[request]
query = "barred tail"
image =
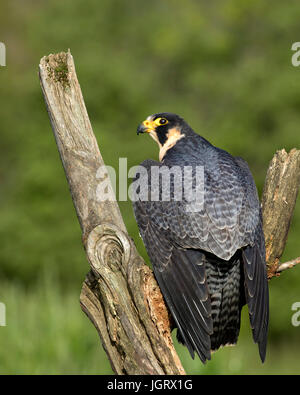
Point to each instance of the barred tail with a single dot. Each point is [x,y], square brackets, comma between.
[224,283]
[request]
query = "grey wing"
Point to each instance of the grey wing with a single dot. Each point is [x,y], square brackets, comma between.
[257,292]
[255,274]
[229,220]
[181,276]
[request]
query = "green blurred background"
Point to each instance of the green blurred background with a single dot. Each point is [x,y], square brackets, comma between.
[225,66]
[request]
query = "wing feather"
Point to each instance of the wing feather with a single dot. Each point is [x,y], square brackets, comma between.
[230,220]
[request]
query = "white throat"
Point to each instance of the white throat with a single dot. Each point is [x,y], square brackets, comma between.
[173,136]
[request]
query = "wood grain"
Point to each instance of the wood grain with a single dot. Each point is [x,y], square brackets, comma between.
[278,202]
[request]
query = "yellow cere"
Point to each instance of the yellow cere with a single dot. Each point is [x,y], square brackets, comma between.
[148,124]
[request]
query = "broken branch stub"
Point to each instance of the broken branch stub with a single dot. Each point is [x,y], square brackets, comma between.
[278,202]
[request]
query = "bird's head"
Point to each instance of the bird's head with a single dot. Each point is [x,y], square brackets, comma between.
[166,129]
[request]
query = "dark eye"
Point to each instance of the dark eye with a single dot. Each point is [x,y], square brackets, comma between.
[161,121]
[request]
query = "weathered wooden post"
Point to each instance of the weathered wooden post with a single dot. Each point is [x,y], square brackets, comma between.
[120,294]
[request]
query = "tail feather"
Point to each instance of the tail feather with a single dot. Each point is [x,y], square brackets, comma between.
[224,282]
[204,295]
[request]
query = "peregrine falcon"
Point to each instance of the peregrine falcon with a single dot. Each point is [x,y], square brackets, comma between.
[210,261]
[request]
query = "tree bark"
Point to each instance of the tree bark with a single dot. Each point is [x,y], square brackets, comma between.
[120,295]
[278,203]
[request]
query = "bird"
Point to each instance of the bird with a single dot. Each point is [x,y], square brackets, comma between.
[210,261]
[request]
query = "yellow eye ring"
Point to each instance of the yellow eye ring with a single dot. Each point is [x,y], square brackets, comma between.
[161,121]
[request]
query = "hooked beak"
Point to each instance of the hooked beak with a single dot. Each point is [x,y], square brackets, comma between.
[145,127]
[141,129]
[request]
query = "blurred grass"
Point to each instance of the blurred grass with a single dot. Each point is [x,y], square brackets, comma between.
[224,66]
[47,333]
